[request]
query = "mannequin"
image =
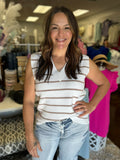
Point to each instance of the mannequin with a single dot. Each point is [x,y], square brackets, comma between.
[101,66]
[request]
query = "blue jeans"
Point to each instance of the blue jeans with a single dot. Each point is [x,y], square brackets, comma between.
[69,136]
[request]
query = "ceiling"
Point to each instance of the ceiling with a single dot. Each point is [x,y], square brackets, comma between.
[95,7]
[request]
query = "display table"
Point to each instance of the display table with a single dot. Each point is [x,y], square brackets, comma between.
[12,133]
[9,108]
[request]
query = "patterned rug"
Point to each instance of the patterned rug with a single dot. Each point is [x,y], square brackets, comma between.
[17,156]
[110,152]
[12,135]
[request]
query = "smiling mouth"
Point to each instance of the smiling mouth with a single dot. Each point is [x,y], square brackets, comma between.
[61,40]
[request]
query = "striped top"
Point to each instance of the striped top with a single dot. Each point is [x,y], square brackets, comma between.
[58,96]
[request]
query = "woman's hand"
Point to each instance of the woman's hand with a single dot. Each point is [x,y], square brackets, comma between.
[32,144]
[83,107]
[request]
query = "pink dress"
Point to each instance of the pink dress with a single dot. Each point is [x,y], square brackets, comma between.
[100,117]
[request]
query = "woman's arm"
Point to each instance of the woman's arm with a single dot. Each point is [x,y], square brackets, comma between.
[100,80]
[28,103]
[28,111]
[103,85]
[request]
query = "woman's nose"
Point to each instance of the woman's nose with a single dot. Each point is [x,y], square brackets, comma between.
[61,31]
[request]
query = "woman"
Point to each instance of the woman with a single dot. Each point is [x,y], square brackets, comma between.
[57,78]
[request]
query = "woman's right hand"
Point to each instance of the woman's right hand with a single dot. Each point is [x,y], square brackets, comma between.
[32,144]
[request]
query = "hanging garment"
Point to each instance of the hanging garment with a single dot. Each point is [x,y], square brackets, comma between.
[89,30]
[114,32]
[100,117]
[105,27]
[92,51]
[98,31]
[115,59]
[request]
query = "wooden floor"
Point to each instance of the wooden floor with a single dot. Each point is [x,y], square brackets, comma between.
[114,129]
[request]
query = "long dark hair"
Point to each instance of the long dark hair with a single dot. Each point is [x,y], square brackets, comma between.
[73,53]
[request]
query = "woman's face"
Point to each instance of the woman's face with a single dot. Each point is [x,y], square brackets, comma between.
[60,31]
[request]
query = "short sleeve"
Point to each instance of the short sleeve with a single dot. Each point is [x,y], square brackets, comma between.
[34,62]
[84,65]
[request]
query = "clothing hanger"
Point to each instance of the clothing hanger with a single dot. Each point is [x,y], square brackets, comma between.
[96,45]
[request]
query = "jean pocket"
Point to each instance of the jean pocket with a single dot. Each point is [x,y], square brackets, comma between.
[51,124]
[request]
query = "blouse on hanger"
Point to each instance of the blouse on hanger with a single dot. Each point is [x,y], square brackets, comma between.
[100,117]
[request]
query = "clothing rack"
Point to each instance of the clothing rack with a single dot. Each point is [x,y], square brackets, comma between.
[29,45]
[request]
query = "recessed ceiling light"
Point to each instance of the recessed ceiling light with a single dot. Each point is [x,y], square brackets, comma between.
[32,19]
[79,12]
[41,9]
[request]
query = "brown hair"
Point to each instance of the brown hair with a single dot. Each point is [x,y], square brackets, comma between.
[73,53]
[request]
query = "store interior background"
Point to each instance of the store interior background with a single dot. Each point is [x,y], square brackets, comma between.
[100,10]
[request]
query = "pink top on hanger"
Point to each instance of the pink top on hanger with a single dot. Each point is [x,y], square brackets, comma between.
[100,117]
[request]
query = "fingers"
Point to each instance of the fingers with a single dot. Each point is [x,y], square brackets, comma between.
[32,148]
[38,146]
[79,102]
[80,106]
[79,109]
[82,114]
[33,152]
[83,108]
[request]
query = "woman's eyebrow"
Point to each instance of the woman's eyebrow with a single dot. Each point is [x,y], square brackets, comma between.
[58,25]
[54,24]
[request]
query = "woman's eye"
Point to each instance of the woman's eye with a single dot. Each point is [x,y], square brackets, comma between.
[67,28]
[54,28]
